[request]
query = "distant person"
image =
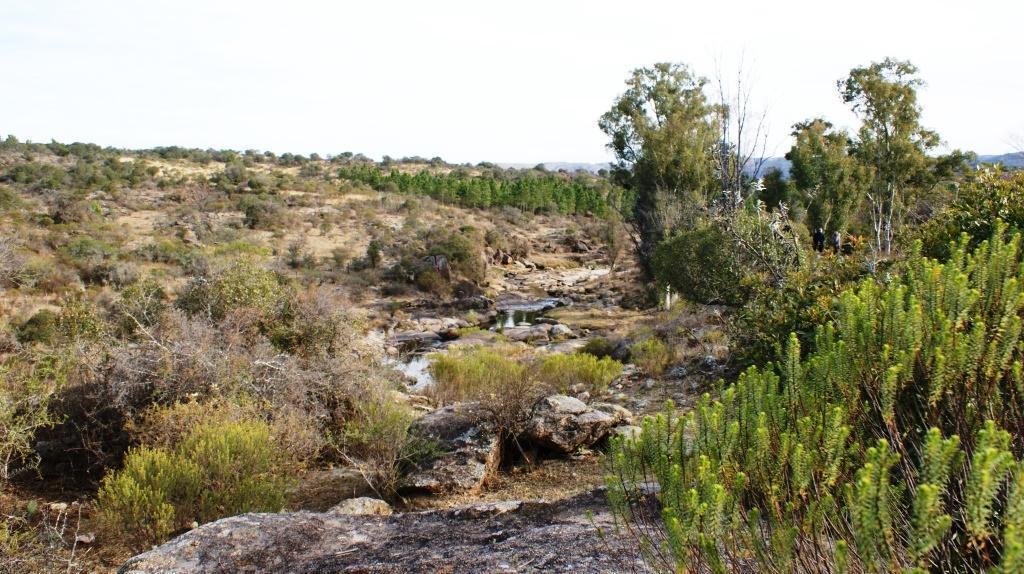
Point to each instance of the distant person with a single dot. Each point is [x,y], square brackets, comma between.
[837,242]
[818,240]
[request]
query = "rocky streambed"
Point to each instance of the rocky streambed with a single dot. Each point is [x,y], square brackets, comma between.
[559,534]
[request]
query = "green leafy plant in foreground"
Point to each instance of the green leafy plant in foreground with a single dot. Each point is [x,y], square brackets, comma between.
[217,470]
[895,446]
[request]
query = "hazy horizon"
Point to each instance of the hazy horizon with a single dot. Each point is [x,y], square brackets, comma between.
[517,83]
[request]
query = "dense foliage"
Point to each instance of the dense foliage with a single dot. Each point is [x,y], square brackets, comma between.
[894,445]
[217,470]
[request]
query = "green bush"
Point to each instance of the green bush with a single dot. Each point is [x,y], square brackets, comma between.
[376,437]
[498,378]
[563,371]
[39,328]
[217,470]
[431,281]
[701,264]
[93,259]
[474,374]
[652,356]
[145,500]
[894,446]
[804,302]
[243,285]
[141,305]
[599,347]
[27,385]
[984,200]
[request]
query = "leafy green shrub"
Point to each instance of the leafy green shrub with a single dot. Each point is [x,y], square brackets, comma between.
[564,371]
[894,446]
[464,250]
[171,251]
[78,320]
[27,385]
[431,281]
[217,470]
[599,347]
[652,356]
[94,259]
[984,200]
[243,285]
[39,328]
[141,305]
[307,324]
[701,264]
[140,500]
[262,212]
[376,437]
[802,303]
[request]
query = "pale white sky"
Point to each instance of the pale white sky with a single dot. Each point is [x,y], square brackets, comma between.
[519,81]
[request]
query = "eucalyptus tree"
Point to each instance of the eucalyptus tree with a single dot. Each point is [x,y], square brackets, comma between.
[663,131]
[891,140]
[824,172]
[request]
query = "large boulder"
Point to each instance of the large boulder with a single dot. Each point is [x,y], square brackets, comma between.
[565,424]
[528,334]
[560,331]
[526,537]
[466,450]
[410,340]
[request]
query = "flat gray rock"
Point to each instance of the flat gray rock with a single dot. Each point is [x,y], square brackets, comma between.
[528,537]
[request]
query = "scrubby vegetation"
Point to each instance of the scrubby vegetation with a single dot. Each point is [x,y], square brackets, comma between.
[191,334]
[878,427]
[894,444]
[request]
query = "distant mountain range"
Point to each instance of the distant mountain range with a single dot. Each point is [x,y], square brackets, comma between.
[1013,160]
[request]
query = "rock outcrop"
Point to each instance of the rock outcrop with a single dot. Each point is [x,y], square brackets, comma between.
[362,506]
[524,537]
[564,424]
[467,450]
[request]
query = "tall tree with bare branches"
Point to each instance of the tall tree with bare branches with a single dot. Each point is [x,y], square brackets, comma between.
[743,134]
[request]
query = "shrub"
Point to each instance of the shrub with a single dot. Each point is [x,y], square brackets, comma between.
[171,251]
[464,250]
[495,377]
[883,450]
[140,500]
[243,285]
[701,264]
[26,387]
[141,305]
[652,356]
[376,438]
[432,282]
[39,328]
[599,347]
[564,371]
[473,374]
[94,259]
[264,213]
[804,301]
[984,200]
[12,263]
[217,470]
[78,320]
[308,324]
